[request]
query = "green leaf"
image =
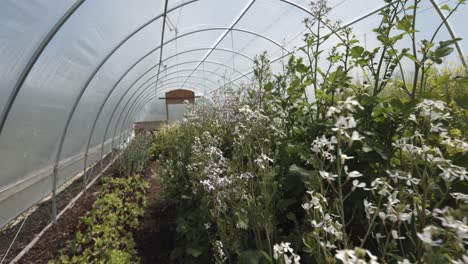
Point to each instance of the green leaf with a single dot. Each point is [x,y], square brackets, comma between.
[443,52]
[266,257]
[446,7]
[249,257]
[356,51]
[283,204]
[411,57]
[405,24]
[194,252]
[268,87]
[302,68]
[291,216]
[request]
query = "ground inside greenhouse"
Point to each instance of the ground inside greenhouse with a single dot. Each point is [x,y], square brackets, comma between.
[55,238]
[154,238]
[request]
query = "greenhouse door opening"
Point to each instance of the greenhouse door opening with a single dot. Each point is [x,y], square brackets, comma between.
[176,103]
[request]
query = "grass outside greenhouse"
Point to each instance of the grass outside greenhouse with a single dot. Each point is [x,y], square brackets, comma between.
[308,165]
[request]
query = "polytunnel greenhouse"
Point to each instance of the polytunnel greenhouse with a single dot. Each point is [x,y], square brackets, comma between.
[222,131]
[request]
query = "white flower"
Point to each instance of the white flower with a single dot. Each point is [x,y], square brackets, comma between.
[332,111]
[263,160]
[379,236]
[355,136]
[426,236]
[404,261]
[437,128]
[357,184]
[354,174]
[346,256]
[344,123]
[405,217]
[207,185]
[369,208]
[460,196]
[395,235]
[453,172]
[400,175]
[314,202]
[328,175]
[207,226]
[426,103]
[350,104]
[219,252]
[344,157]
[461,261]
[246,176]
[307,206]
[284,250]
[356,256]
[327,245]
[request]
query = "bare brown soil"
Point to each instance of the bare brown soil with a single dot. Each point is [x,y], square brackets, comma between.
[156,236]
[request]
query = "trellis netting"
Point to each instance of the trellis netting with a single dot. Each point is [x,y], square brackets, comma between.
[74,75]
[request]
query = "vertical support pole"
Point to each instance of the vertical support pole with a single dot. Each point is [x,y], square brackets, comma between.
[167,110]
[54,194]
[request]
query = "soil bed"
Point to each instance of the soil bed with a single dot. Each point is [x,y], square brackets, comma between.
[55,238]
[156,236]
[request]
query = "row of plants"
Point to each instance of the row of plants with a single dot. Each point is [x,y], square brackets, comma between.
[135,156]
[361,173]
[104,234]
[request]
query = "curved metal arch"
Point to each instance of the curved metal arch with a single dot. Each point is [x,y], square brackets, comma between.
[186,70]
[132,108]
[126,91]
[141,76]
[184,76]
[219,49]
[302,8]
[148,88]
[285,1]
[133,115]
[223,35]
[451,31]
[162,37]
[347,24]
[146,93]
[140,105]
[158,47]
[296,5]
[32,61]
[83,89]
[137,106]
[77,100]
[333,32]
[113,113]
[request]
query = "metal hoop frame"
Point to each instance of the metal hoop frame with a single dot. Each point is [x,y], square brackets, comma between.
[72,10]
